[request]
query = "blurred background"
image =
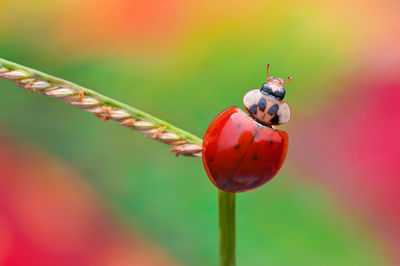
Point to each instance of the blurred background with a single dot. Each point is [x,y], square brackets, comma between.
[77,191]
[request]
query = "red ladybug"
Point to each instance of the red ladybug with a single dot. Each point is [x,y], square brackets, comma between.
[242,152]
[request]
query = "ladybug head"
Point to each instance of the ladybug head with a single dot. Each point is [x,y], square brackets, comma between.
[274,86]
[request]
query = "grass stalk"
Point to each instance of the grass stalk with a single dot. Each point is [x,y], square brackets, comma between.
[227,234]
[105,108]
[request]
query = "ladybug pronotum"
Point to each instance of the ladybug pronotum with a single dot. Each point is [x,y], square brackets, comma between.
[243,151]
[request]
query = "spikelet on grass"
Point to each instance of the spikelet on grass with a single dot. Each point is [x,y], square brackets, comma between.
[105,108]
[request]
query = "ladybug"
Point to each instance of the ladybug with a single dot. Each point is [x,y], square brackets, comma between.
[243,151]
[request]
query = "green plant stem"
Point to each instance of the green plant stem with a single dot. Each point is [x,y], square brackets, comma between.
[104,99]
[227,234]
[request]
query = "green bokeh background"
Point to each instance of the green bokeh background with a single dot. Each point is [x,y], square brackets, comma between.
[290,221]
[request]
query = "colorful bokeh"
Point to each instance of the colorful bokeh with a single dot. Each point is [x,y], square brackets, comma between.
[77,191]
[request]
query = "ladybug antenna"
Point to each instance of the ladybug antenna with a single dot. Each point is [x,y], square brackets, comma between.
[268,65]
[287,82]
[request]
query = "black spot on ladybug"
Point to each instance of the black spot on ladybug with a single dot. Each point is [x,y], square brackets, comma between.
[238,125]
[214,174]
[255,157]
[271,141]
[237,146]
[275,120]
[210,160]
[273,109]
[262,103]
[253,109]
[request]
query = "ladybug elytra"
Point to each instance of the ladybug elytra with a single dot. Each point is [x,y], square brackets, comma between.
[243,151]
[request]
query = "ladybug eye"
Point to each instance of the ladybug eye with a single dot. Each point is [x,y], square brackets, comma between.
[280,94]
[266,88]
